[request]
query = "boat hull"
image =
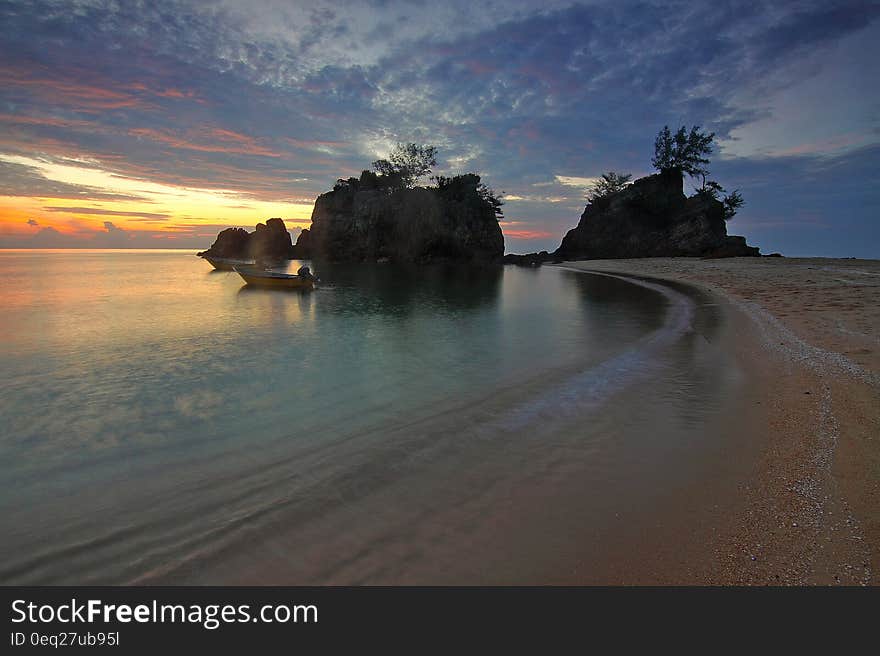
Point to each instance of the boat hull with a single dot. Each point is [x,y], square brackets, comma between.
[276,281]
[226,264]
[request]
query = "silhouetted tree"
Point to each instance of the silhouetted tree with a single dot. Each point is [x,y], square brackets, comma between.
[732,202]
[343,183]
[493,199]
[683,150]
[709,188]
[407,163]
[468,187]
[609,183]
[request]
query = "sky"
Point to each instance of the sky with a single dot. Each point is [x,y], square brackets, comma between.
[159,123]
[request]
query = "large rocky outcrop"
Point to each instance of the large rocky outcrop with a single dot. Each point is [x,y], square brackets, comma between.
[362,221]
[269,240]
[652,218]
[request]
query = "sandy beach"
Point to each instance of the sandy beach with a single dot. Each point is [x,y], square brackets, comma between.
[807,510]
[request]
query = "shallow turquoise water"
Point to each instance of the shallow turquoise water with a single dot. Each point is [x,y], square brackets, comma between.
[162,421]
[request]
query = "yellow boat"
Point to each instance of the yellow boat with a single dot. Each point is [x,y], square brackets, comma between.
[275,280]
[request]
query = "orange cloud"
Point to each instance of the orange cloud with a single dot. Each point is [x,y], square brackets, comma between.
[43,120]
[168,92]
[175,93]
[83,97]
[528,234]
[213,140]
[96,96]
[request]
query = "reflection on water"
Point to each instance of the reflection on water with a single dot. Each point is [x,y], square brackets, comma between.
[162,419]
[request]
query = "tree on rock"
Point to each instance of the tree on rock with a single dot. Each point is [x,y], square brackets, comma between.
[407,163]
[609,183]
[469,186]
[685,150]
[731,202]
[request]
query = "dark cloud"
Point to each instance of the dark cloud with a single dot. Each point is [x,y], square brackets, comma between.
[808,27]
[111,237]
[48,237]
[32,222]
[23,180]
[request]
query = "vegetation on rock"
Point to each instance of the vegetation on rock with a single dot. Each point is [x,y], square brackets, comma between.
[609,183]
[406,164]
[685,150]
[652,217]
[688,151]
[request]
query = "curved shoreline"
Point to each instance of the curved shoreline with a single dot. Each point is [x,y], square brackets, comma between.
[805,512]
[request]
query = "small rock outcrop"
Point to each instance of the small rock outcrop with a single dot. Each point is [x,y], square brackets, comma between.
[363,220]
[527,260]
[230,243]
[653,218]
[269,240]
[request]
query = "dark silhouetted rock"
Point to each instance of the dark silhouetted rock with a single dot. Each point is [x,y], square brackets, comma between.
[230,243]
[652,218]
[302,250]
[527,260]
[363,221]
[270,240]
[733,246]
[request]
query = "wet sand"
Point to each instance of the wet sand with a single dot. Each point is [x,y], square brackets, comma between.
[806,509]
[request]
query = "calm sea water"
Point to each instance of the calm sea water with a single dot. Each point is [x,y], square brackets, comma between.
[163,422]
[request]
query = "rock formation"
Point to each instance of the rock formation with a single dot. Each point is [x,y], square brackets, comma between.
[302,250]
[269,240]
[364,220]
[527,260]
[652,218]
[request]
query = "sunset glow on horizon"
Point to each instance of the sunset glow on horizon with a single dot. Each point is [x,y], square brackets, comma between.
[124,211]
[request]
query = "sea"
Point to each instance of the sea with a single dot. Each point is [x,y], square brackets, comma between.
[161,422]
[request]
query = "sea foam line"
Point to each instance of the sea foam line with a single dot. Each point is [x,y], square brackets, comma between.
[588,390]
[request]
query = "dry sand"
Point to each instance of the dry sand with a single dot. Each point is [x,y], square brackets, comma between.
[809,334]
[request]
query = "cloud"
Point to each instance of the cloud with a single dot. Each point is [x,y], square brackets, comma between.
[213,140]
[113,237]
[575,181]
[18,179]
[529,235]
[156,216]
[49,237]
[59,92]
[32,222]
